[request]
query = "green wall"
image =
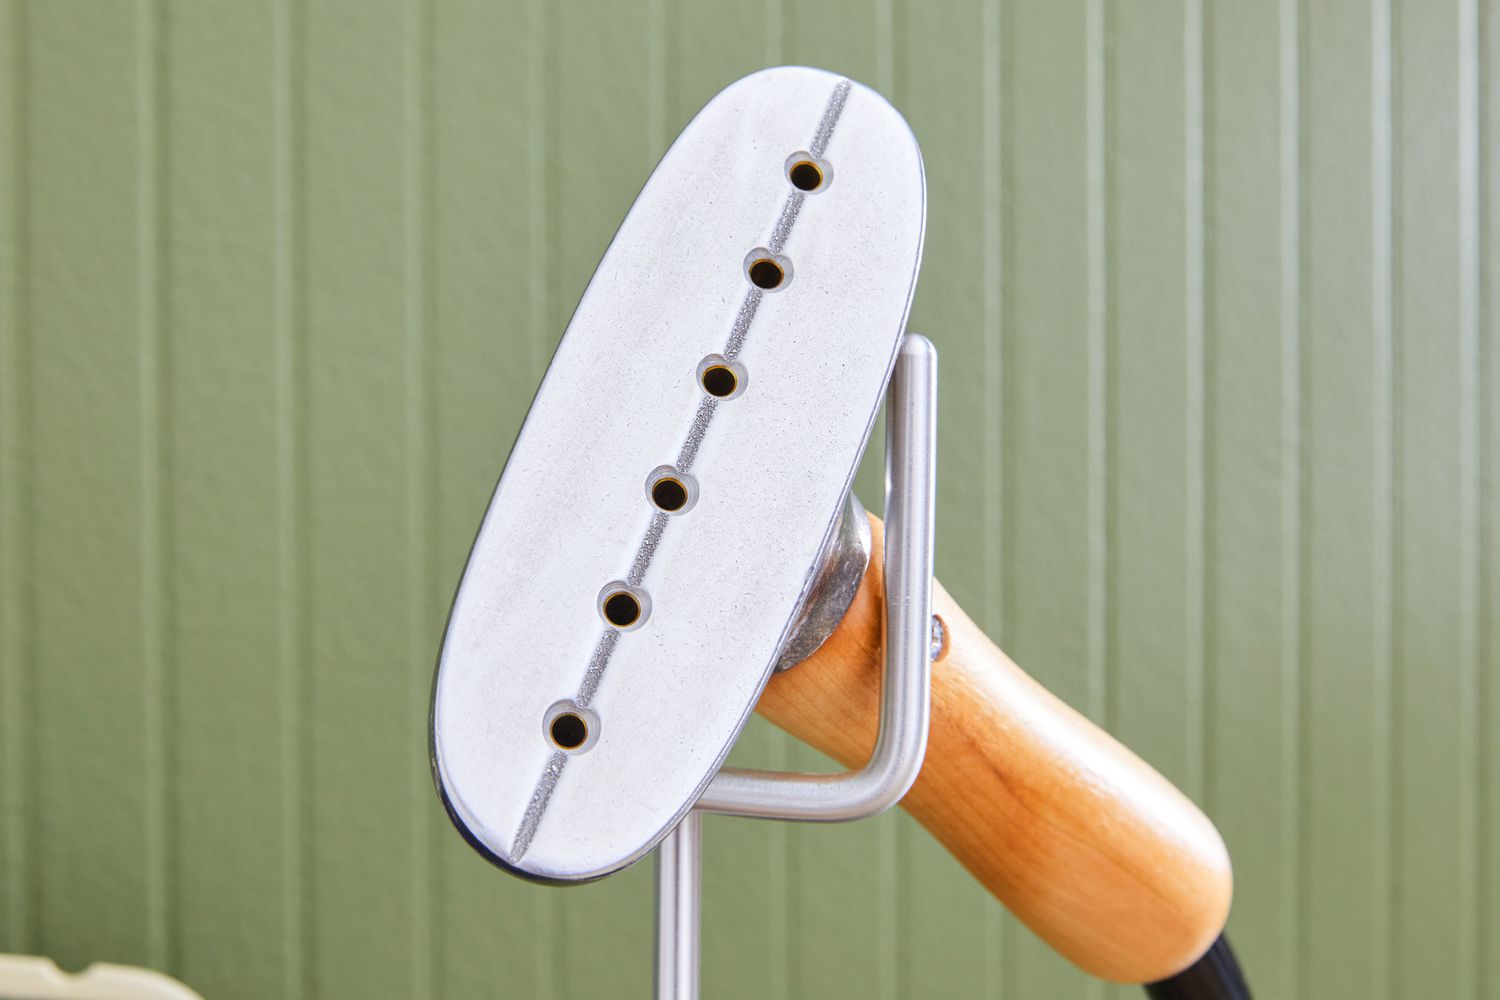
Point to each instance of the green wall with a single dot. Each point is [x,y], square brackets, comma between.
[1212,285]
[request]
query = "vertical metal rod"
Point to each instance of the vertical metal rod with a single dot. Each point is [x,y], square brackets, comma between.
[677,896]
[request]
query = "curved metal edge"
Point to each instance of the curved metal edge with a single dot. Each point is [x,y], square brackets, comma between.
[841,569]
[905,698]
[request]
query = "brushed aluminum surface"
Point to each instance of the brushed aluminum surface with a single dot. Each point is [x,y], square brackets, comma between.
[771,467]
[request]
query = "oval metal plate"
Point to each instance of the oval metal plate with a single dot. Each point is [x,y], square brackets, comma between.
[622,398]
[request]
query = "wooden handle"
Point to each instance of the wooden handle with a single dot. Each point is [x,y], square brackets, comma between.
[1096,852]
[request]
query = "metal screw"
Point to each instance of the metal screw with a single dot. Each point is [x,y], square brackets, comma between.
[939,639]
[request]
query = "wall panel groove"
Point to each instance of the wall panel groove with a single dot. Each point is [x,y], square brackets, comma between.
[1293,774]
[289,348]
[425,613]
[154,356]
[16,603]
[1382,496]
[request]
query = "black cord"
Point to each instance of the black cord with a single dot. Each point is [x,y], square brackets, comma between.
[1215,976]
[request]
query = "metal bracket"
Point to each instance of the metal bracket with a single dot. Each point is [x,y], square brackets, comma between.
[911,454]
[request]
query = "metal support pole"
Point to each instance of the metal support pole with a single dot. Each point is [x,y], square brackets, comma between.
[677,895]
[905,702]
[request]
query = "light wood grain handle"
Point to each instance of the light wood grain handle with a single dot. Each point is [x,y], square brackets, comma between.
[1096,852]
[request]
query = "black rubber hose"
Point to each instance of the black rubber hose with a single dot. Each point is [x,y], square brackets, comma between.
[1215,976]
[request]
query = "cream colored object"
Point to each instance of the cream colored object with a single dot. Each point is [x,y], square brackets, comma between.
[23,977]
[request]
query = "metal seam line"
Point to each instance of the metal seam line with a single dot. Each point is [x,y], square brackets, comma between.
[538,803]
[784,224]
[785,220]
[591,677]
[689,451]
[742,322]
[648,548]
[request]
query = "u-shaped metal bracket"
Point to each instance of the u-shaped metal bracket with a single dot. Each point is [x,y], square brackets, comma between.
[905,692]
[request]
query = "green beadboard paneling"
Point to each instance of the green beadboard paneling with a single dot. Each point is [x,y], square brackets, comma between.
[231,730]
[18,905]
[95,659]
[1487,552]
[1345,406]
[1212,287]
[1248,751]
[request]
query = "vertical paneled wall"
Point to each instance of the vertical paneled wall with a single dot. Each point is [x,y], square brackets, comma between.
[1213,290]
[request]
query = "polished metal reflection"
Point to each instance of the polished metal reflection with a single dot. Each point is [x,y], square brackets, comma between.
[841,567]
[678,875]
